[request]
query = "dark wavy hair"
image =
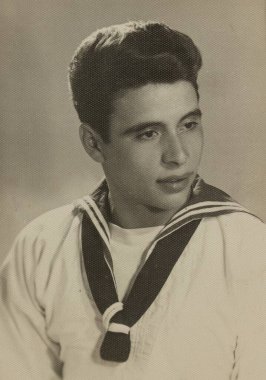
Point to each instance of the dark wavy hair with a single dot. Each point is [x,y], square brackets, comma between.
[126,56]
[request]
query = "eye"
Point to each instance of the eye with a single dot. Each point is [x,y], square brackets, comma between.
[188,126]
[191,124]
[147,135]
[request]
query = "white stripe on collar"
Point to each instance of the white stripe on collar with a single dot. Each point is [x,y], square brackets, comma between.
[197,209]
[96,217]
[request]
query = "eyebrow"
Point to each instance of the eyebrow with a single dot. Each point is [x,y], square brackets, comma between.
[195,113]
[141,126]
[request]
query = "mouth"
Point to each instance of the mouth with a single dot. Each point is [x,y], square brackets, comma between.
[173,184]
[175,178]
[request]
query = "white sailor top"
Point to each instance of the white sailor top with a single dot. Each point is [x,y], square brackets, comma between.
[208,321]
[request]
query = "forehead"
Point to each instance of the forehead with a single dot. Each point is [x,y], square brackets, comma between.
[154,102]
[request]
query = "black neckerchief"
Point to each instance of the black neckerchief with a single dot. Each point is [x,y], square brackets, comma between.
[165,250]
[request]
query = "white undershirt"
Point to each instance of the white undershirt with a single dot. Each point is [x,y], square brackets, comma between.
[127,251]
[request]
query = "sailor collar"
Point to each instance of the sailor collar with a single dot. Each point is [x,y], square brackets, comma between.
[205,201]
[118,317]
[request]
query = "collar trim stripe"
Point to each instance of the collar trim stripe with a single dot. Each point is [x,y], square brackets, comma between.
[111,271]
[200,215]
[82,204]
[200,210]
[203,205]
[98,215]
[99,221]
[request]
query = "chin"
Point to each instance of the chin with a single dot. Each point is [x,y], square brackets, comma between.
[171,203]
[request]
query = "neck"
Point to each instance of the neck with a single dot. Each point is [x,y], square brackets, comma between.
[140,216]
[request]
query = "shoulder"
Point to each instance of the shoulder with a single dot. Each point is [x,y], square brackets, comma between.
[244,227]
[244,241]
[43,235]
[52,221]
[242,223]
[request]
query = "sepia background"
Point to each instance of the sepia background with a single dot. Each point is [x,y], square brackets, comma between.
[42,162]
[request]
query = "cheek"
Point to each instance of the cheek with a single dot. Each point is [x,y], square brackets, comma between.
[130,163]
[141,155]
[127,165]
[201,143]
[197,145]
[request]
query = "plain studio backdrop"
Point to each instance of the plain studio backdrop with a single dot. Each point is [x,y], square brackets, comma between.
[43,164]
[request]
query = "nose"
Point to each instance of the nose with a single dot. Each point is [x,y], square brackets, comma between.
[174,152]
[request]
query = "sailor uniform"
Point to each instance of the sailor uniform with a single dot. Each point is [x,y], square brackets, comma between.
[208,320]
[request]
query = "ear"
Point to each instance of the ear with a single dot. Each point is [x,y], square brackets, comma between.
[91,142]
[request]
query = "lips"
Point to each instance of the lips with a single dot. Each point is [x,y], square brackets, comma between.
[174,178]
[175,184]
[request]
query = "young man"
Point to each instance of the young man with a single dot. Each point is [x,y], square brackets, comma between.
[156,275]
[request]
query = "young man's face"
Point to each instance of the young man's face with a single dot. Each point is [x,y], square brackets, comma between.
[154,151]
